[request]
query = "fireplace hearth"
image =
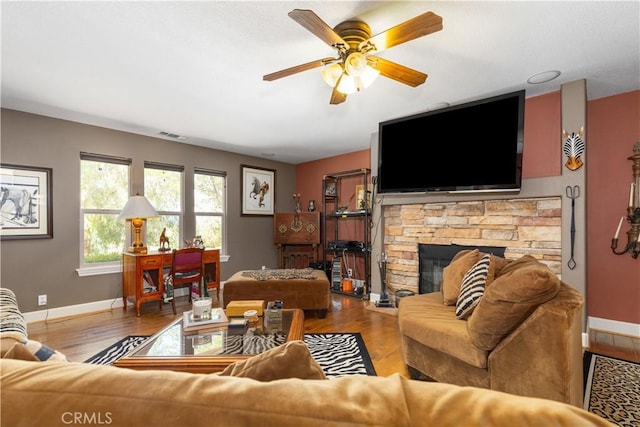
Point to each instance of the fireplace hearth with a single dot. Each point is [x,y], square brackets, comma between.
[434,258]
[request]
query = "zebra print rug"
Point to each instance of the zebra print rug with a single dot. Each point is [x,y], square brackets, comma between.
[338,354]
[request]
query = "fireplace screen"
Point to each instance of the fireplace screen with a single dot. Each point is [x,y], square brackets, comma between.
[434,258]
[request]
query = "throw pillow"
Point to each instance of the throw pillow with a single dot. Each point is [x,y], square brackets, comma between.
[12,324]
[453,273]
[472,288]
[34,351]
[289,360]
[513,265]
[495,267]
[509,300]
[19,352]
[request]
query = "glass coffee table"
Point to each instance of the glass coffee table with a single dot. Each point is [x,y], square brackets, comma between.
[212,350]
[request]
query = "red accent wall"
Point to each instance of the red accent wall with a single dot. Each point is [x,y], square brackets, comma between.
[613,126]
[542,154]
[309,175]
[613,281]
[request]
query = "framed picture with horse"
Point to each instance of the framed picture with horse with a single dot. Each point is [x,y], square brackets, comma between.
[258,190]
[25,202]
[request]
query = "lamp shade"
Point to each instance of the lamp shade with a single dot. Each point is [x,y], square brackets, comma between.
[137,207]
[331,74]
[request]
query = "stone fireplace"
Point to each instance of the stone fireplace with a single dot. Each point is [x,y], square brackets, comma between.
[432,259]
[510,228]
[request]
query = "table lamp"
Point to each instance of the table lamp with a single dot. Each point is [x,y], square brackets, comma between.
[137,209]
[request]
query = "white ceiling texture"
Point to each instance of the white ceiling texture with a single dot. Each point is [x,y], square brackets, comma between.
[195,69]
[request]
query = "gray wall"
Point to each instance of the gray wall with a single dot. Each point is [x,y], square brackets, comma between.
[48,266]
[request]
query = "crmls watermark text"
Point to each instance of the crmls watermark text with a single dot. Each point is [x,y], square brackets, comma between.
[86,418]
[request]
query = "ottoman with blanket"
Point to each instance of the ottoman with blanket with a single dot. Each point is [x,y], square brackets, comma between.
[306,289]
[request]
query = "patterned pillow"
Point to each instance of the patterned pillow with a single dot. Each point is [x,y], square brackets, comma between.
[34,351]
[12,324]
[472,287]
[453,273]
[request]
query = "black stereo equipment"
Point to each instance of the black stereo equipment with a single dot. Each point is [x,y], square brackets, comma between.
[346,244]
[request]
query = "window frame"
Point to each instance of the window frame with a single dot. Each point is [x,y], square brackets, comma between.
[181,213]
[187,215]
[222,214]
[90,269]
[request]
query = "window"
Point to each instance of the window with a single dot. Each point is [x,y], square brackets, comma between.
[209,202]
[163,188]
[104,190]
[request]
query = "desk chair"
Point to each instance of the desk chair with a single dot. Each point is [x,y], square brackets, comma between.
[187,267]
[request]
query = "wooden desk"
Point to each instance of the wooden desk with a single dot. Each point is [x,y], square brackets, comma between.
[152,265]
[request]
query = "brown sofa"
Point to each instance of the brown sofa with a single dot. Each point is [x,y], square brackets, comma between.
[51,394]
[283,386]
[521,334]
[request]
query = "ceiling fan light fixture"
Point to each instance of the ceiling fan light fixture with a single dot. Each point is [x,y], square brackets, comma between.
[351,84]
[331,74]
[355,64]
[347,85]
[369,75]
[353,70]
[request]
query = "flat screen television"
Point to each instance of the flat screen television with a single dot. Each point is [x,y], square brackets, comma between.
[475,146]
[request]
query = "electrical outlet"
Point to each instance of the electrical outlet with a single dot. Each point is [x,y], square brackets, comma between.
[42,299]
[349,272]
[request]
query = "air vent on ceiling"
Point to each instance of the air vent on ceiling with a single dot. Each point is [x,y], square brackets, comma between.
[173,135]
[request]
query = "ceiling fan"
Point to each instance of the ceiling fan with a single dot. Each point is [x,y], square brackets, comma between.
[356,66]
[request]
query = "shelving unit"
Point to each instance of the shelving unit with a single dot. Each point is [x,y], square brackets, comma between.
[346,230]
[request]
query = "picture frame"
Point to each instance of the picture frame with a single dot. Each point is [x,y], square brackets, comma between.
[26,208]
[258,191]
[330,188]
[363,202]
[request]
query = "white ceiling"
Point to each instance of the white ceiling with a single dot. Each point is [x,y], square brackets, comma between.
[195,68]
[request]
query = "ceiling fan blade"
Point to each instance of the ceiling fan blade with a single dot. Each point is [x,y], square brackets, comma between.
[397,72]
[298,69]
[337,97]
[312,22]
[414,28]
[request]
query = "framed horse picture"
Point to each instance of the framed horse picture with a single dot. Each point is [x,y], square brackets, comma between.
[25,202]
[258,190]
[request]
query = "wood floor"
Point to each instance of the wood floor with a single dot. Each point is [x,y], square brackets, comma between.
[80,337]
[615,345]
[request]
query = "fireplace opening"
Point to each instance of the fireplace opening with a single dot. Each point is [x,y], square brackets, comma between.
[434,258]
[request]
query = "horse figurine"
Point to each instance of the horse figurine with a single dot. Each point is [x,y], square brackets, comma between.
[164,241]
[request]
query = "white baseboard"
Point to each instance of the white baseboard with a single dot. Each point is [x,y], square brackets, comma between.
[71,310]
[611,326]
[614,326]
[77,309]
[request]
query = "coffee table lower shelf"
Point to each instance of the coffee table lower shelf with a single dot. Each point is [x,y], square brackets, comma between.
[293,326]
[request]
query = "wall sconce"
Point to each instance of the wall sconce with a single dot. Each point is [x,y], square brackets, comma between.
[633,211]
[137,209]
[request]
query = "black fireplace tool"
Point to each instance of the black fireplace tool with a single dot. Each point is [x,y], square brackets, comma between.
[384,297]
[573,193]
